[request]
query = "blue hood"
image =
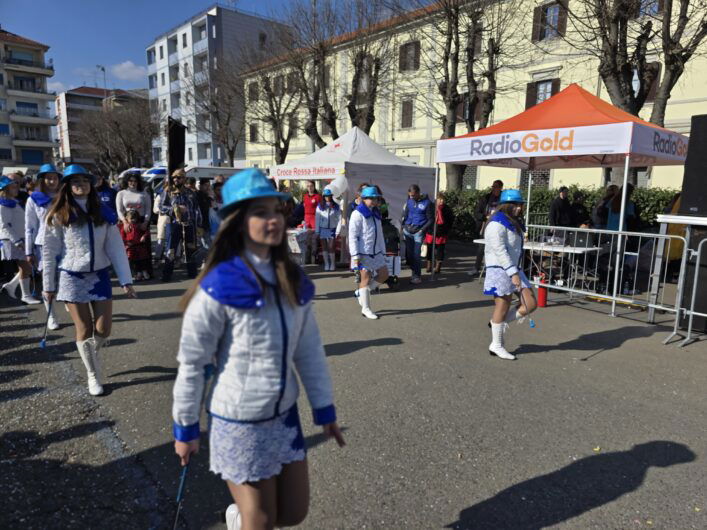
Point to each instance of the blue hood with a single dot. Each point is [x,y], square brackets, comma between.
[40,199]
[234,284]
[363,209]
[8,203]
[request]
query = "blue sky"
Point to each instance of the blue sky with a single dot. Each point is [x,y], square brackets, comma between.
[114,33]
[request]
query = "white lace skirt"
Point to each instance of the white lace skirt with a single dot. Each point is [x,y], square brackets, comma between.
[248,452]
[372,264]
[8,251]
[83,287]
[498,283]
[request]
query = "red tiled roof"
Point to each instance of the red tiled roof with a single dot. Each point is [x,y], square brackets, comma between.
[6,36]
[94,91]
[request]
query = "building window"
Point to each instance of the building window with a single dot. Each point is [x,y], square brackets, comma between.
[150,56]
[279,85]
[293,126]
[164,104]
[2,79]
[5,154]
[541,178]
[4,129]
[202,32]
[292,83]
[185,69]
[184,40]
[253,132]
[162,78]
[409,58]
[156,154]
[262,40]
[152,81]
[190,155]
[649,7]
[539,91]
[549,21]
[3,105]
[470,178]
[253,92]
[406,113]
[326,130]
[161,52]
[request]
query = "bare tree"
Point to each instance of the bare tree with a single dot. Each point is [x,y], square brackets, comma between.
[118,136]
[634,40]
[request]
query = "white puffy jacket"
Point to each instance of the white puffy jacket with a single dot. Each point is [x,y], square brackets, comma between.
[327,217]
[255,340]
[365,233]
[84,248]
[12,221]
[35,212]
[504,245]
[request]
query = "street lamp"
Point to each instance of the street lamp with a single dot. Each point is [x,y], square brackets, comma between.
[105,87]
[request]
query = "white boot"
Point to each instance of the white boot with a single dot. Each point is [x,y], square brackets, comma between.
[87,351]
[357,294]
[27,297]
[325,256]
[332,261]
[364,297]
[99,342]
[52,324]
[11,286]
[233,518]
[496,347]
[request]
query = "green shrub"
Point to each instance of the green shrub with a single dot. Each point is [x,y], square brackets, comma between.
[650,202]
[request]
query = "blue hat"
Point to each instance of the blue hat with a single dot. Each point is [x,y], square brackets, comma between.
[5,182]
[370,192]
[327,193]
[47,168]
[75,170]
[245,185]
[511,196]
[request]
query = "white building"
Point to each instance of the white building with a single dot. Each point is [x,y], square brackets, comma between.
[25,114]
[183,58]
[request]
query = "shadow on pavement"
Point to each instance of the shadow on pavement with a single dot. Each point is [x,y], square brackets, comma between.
[159,293]
[124,317]
[444,308]
[597,342]
[344,348]
[593,481]
[170,375]
[19,393]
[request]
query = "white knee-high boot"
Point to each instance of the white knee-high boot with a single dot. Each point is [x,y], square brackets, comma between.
[51,321]
[87,351]
[326,260]
[496,347]
[27,297]
[332,261]
[11,286]
[364,296]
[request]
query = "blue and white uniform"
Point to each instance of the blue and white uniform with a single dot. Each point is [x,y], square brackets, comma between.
[366,241]
[503,252]
[258,343]
[35,214]
[83,255]
[326,220]
[12,230]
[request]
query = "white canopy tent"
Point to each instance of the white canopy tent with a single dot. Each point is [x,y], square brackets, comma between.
[353,159]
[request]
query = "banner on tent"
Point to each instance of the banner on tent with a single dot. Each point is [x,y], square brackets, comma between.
[659,143]
[320,171]
[572,141]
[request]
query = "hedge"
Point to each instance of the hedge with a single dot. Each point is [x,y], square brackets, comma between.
[650,201]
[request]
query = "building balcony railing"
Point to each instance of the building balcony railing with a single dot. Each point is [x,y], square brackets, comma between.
[25,62]
[32,113]
[176,113]
[173,58]
[174,85]
[200,78]
[32,137]
[152,93]
[200,46]
[152,68]
[205,162]
[22,87]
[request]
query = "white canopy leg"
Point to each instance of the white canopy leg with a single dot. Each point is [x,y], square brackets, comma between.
[619,245]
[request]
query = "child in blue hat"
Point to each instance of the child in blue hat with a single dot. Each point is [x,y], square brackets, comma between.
[327,219]
[504,235]
[249,316]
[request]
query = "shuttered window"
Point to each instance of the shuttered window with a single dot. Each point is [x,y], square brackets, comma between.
[539,91]
[406,114]
[253,132]
[653,90]
[409,58]
[253,92]
[549,22]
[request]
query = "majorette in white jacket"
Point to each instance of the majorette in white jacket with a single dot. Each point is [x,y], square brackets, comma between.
[327,217]
[255,341]
[84,248]
[35,212]
[504,245]
[12,221]
[365,233]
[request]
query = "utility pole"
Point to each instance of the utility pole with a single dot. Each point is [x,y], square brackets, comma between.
[105,87]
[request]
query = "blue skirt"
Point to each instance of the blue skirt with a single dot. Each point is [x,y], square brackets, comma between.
[243,452]
[84,287]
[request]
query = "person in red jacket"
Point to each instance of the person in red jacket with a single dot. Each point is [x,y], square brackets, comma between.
[311,200]
[137,244]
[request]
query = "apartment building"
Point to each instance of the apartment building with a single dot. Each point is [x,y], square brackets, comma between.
[25,115]
[408,108]
[72,106]
[181,62]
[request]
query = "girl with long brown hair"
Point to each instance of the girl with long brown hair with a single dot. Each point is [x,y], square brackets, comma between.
[82,242]
[249,313]
[504,235]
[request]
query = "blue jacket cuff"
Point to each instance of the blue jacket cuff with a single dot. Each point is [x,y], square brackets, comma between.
[324,415]
[186,434]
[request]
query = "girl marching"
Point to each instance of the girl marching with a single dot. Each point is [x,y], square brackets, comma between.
[250,313]
[328,217]
[35,217]
[504,249]
[367,248]
[81,241]
[12,240]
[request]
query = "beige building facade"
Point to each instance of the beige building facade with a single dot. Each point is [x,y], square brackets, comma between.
[542,63]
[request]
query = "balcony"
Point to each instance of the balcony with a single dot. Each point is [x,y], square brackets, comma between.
[38,116]
[200,78]
[33,67]
[203,137]
[81,106]
[153,93]
[152,68]
[176,113]
[200,46]
[174,86]
[205,162]
[173,58]
[32,140]
[23,90]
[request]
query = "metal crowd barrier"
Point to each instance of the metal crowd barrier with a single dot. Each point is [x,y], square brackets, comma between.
[620,267]
[692,312]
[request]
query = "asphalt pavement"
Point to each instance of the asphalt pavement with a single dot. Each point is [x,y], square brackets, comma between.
[597,425]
